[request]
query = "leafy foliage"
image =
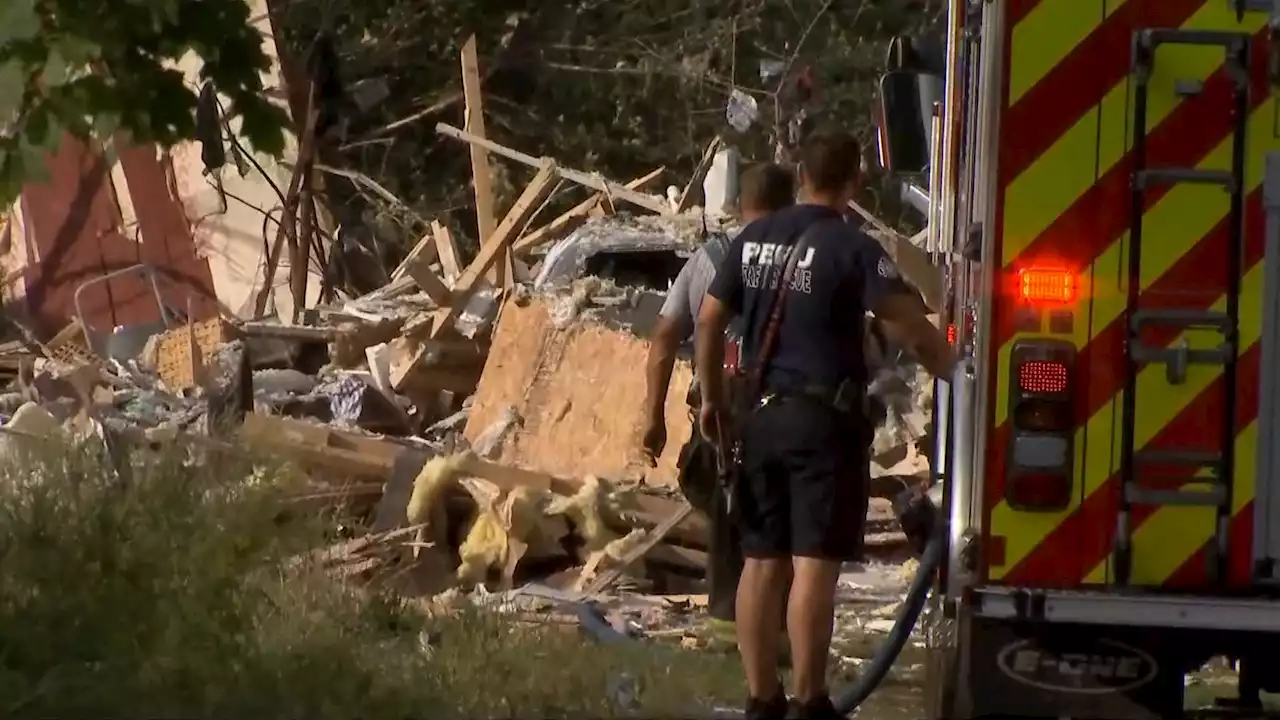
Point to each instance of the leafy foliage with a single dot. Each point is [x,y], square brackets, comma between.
[162,586]
[94,68]
[616,86]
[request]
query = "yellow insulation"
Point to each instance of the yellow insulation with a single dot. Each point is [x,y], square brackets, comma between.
[523,523]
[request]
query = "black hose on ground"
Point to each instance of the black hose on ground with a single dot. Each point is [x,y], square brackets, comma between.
[848,698]
[920,520]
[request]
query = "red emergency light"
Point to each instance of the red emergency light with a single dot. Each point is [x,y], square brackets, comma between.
[1041,453]
[1043,285]
[1042,377]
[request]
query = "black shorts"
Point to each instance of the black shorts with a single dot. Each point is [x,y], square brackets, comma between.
[805,481]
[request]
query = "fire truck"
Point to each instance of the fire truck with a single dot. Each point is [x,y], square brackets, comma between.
[1104,193]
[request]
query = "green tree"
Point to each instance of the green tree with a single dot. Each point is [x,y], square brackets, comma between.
[95,68]
[615,86]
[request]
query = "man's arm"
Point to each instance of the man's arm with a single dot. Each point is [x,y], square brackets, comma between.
[713,319]
[722,301]
[884,295]
[927,342]
[674,326]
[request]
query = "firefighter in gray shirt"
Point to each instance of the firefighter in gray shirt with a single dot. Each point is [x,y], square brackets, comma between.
[763,189]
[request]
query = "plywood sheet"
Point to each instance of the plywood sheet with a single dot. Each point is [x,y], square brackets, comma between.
[579,391]
[514,355]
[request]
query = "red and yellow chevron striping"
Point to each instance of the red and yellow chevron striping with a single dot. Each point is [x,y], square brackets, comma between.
[1065,174]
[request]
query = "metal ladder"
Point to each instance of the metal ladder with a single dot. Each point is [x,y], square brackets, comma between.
[1215,488]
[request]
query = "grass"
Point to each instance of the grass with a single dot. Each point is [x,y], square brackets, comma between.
[168,589]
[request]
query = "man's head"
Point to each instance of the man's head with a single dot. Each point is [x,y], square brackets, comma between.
[764,188]
[830,168]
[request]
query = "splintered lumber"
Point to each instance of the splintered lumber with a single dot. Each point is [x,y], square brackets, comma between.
[655,536]
[446,251]
[615,190]
[500,273]
[699,174]
[534,193]
[425,249]
[576,215]
[432,285]
[321,448]
[417,265]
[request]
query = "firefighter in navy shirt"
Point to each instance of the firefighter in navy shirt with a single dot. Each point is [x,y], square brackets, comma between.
[803,487]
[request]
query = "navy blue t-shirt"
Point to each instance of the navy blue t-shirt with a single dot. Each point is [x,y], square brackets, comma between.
[842,275]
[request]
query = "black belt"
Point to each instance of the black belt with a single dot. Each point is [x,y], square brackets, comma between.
[844,398]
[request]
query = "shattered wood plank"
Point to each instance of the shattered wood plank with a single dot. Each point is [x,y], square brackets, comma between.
[423,365]
[656,536]
[300,333]
[423,249]
[509,478]
[589,571]
[695,531]
[481,172]
[533,195]
[648,202]
[392,290]
[699,174]
[321,448]
[571,219]
[447,251]
[430,283]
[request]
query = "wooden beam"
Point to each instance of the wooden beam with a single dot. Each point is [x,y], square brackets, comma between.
[534,193]
[699,174]
[481,171]
[424,249]
[619,192]
[431,284]
[576,215]
[655,536]
[447,251]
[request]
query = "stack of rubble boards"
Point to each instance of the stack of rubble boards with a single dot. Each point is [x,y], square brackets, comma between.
[466,520]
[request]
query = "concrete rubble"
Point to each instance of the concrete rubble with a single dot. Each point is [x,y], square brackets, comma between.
[395,407]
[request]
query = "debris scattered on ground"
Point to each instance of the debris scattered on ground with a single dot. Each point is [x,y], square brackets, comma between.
[471,440]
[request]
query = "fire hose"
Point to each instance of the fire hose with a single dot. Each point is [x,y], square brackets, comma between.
[920,520]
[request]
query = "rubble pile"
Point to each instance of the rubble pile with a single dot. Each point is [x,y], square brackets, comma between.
[462,432]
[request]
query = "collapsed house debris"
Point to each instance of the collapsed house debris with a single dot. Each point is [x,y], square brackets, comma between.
[466,425]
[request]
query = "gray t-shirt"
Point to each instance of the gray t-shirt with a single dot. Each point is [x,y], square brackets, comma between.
[684,299]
